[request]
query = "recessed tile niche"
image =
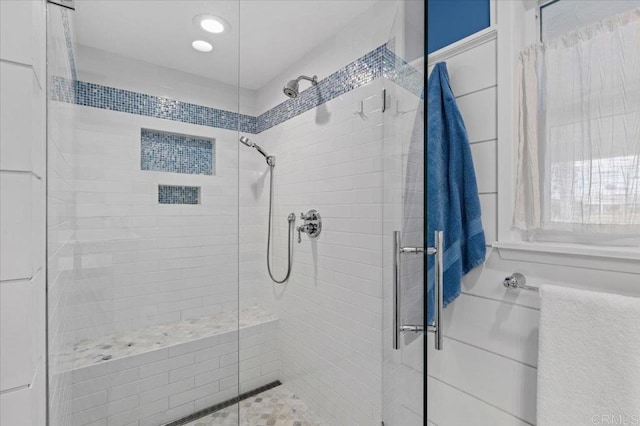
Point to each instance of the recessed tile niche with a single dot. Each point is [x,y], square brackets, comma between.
[176,153]
[174,194]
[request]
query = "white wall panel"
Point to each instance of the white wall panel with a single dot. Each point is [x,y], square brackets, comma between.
[504,383]
[15,408]
[448,406]
[499,327]
[17,36]
[17,116]
[484,162]
[22,212]
[474,69]
[478,111]
[15,226]
[489,210]
[17,322]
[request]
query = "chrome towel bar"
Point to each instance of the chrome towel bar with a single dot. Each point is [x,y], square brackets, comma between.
[517,280]
[398,250]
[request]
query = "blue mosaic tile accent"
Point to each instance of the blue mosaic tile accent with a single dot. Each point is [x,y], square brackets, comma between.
[169,194]
[380,62]
[113,99]
[358,73]
[402,73]
[175,153]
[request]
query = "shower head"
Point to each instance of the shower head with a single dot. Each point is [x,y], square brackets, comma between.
[271,160]
[245,140]
[291,89]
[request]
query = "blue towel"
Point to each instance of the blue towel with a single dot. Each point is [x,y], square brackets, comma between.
[453,204]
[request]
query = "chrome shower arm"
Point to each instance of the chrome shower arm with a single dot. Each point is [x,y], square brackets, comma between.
[313,80]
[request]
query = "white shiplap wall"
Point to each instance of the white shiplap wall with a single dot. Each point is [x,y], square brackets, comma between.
[22,178]
[486,373]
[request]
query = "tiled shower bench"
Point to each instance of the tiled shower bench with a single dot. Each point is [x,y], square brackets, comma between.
[159,374]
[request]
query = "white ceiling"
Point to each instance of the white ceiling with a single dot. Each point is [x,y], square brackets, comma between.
[266,37]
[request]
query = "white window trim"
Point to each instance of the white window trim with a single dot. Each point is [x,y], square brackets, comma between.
[518,26]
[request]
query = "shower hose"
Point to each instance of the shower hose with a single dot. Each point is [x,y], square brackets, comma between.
[291,219]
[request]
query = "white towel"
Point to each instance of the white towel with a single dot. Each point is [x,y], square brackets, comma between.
[588,359]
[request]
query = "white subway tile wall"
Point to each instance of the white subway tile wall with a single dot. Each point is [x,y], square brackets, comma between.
[330,311]
[141,262]
[22,215]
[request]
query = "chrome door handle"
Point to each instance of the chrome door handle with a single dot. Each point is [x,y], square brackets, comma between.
[438,288]
[396,289]
[438,251]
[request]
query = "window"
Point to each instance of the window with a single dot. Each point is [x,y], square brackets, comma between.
[598,193]
[579,129]
[563,16]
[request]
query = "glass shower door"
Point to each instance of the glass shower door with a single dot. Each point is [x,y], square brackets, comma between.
[405,258]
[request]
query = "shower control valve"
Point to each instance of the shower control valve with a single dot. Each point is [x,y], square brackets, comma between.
[312,225]
[310,215]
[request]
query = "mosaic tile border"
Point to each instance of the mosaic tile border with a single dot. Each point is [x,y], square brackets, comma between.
[205,412]
[403,73]
[380,62]
[356,74]
[176,153]
[114,99]
[177,194]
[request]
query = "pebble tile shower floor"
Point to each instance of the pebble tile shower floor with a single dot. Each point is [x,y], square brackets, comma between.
[274,407]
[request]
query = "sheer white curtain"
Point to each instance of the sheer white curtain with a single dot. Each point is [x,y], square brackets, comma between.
[579,132]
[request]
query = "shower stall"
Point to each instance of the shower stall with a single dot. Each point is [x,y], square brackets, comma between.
[192,281]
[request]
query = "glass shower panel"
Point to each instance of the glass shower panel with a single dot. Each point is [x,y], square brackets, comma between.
[329,144]
[143,303]
[404,302]
[168,160]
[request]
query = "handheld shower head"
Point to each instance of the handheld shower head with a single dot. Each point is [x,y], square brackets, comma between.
[271,160]
[245,140]
[291,89]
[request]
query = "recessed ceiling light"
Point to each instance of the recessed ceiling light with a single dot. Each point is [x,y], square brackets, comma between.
[202,46]
[212,24]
